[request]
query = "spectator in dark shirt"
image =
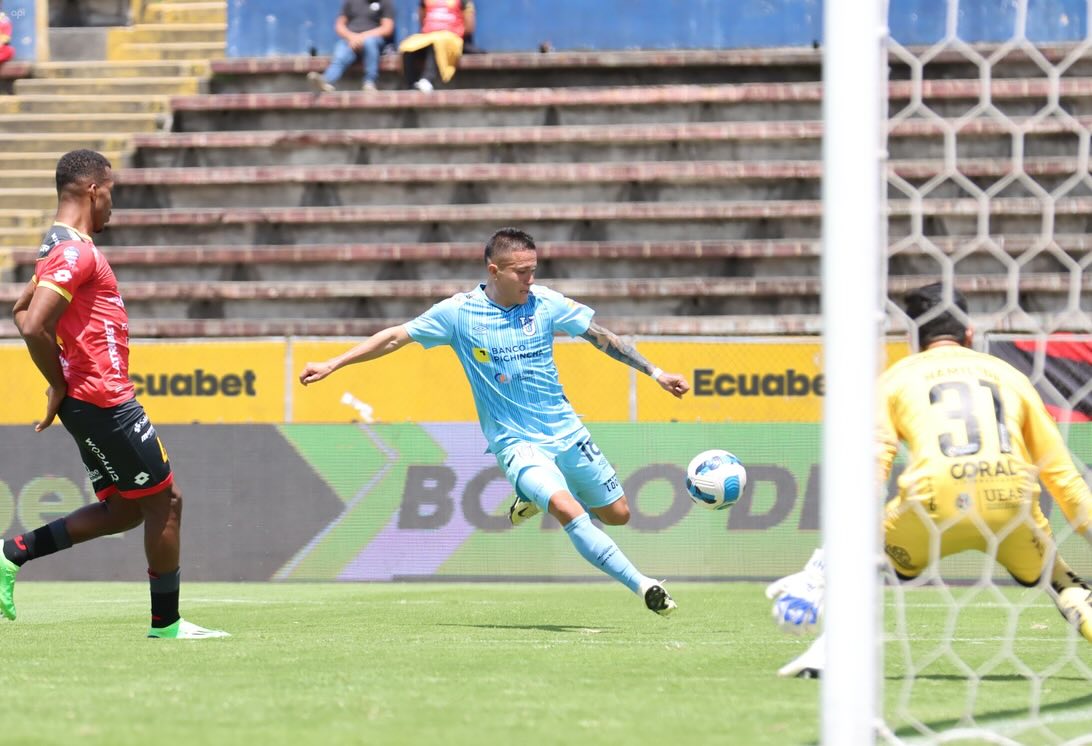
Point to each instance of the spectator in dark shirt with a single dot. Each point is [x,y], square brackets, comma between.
[363,27]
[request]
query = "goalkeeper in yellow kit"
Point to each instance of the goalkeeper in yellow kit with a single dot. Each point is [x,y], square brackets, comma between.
[979,440]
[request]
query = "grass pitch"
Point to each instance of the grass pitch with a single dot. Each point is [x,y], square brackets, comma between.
[486,664]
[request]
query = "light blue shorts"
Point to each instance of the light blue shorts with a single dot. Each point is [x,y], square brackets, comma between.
[536,473]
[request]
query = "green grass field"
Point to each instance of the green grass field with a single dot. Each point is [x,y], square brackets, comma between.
[485,664]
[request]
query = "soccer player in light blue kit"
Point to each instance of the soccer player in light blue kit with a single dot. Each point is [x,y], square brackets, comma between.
[503,333]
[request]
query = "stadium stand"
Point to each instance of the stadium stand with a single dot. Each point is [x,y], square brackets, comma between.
[10,72]
[166,52]
[676,191]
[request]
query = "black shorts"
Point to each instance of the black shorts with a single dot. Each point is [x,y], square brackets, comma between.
[119,448]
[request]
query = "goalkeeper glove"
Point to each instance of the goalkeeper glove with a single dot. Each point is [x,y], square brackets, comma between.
[798,598]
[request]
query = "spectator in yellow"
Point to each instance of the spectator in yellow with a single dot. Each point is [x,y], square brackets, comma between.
[436,50]
[6,50]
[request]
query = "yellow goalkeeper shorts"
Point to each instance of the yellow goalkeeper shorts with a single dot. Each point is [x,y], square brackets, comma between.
[946,521]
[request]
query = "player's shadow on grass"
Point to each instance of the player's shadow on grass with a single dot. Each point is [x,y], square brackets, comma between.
[985,718]
[539,627]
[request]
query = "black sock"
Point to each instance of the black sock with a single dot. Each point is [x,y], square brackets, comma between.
[52,537]
[164,597]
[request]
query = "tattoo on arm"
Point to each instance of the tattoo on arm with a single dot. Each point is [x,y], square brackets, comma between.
[617,348]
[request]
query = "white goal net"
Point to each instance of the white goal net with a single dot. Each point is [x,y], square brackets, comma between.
[988,191]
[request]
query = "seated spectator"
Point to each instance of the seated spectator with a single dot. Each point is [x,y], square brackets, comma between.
[363,28]
[6,51]
[436,50]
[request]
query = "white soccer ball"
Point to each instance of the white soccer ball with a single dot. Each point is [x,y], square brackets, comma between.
[715,479]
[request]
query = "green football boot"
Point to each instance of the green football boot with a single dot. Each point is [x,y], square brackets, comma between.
[183,630]
[8,570]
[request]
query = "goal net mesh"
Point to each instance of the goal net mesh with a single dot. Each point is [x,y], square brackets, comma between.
[989,191]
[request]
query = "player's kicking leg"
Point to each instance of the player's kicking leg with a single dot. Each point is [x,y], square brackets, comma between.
[8,570]
[83,524]
[798,608]
[808,665]
[522,511]
[599,549]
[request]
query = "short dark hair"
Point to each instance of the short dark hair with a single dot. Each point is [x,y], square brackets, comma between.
[507,240]
[923,302]
[78,165]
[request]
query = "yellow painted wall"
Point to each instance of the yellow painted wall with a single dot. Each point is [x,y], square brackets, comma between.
[774,380]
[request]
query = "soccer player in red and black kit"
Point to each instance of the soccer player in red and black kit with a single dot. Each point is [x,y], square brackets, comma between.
[77,331]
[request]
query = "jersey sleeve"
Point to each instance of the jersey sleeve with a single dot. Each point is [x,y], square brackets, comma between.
[887,437]
[65,268]
[436,326]
[568,315]
[1056,468]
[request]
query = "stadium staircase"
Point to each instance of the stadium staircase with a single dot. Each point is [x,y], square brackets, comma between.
[677,192]
[63,105]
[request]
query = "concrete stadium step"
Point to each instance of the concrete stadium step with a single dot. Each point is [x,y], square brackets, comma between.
[21,218]
[334,262]
[23,143]
[473,108]
[534,70]
[683,296]
[28,198]
[632,221]
[493,183]
[43,163]
[69,124]
[602,259]
[162,86]
[406,298]
[561,144]
[762,140]
[121,69]
[20,237]
[420,184]
[12,71]
[533,107]
[63,104]
[361,327]
[159,33]
[176,51]
[629,221]
[16,178]
[649,67]
[188,12]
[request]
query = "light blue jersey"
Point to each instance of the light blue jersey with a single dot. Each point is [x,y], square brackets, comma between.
[508,356]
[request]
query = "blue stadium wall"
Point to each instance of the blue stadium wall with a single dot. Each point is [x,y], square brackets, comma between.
[259,28]
[24,24]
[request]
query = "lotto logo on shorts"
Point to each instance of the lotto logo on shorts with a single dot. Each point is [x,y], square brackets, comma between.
[141,478]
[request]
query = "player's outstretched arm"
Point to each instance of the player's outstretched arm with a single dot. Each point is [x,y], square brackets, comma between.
[376,346]
[623,351]
[1055,465]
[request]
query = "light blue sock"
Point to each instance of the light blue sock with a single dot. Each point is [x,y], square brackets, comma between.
[600,550]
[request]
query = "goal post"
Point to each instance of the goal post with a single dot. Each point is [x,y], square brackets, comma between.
[979,179]
[853,250]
